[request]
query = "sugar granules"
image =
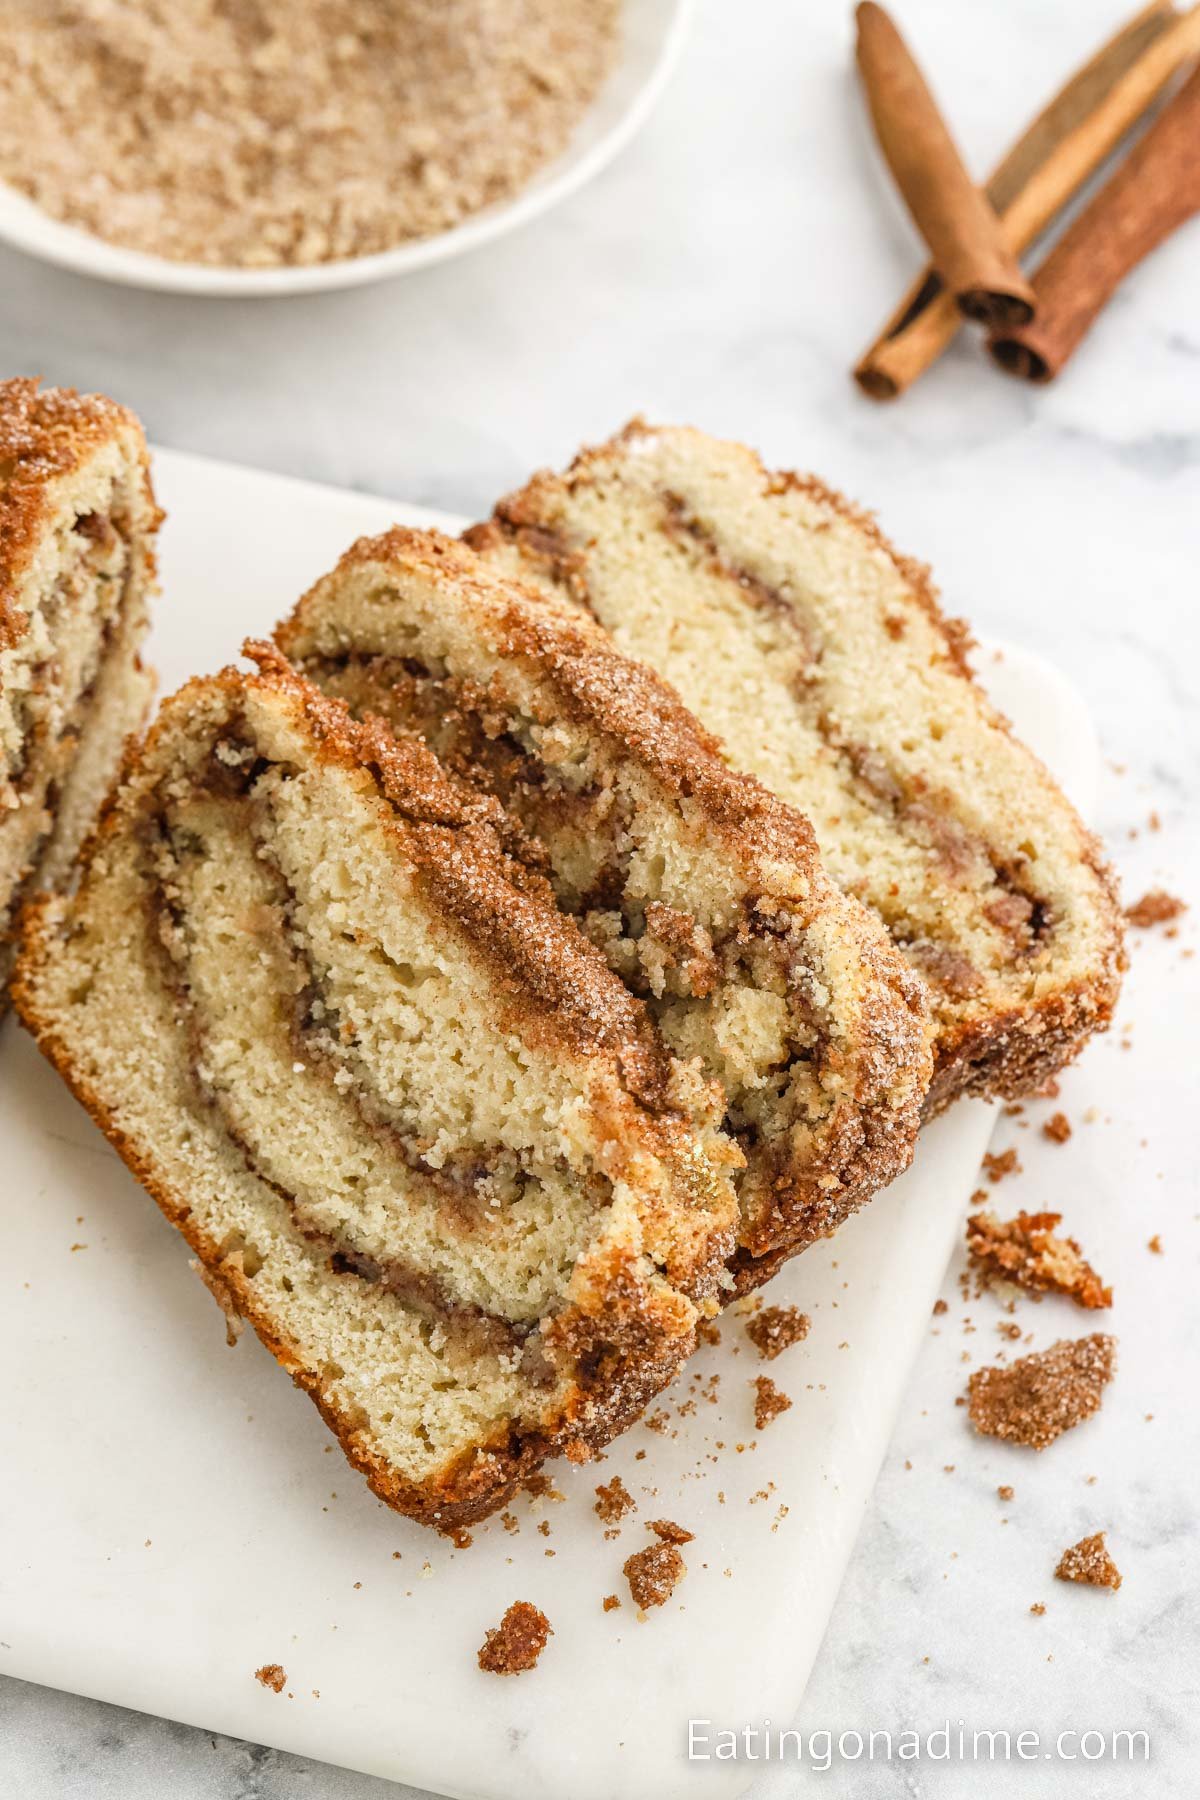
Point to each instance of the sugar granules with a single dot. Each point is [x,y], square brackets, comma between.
[1033,1401]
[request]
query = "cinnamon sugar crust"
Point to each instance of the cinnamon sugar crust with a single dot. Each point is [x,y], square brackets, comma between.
[668,1532]
[514,1646]
[819,655]
[1034,1400]
[1089,1562]
[769,1402]
[613,1501]
[46,434]
[706,894]
[776,1328]
[449,1177]
[654,1573]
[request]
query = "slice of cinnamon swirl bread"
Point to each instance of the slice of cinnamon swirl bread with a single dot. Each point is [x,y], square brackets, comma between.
[411,1124]
[820,659]
[77,525]
[705,893]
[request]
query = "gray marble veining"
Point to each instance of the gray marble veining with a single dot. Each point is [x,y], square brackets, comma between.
[727,270]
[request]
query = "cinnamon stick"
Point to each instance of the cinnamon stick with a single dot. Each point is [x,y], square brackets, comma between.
[1065,144]
[1155,190]
[955,218]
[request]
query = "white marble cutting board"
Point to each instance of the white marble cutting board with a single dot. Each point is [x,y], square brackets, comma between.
[172,1515]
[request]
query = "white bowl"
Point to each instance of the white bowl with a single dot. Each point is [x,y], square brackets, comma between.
[651,34]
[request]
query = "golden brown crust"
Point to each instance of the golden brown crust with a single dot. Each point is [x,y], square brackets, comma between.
[1012,1054]
[46,433]
[1009,1053]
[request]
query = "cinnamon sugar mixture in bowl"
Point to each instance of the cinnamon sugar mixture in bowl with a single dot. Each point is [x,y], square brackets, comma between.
[265,133]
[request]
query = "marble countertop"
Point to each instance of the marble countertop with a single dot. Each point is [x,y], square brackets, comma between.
[726,271]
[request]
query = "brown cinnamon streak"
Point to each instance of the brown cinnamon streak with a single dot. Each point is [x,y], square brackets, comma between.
[954,216]
[1154,191]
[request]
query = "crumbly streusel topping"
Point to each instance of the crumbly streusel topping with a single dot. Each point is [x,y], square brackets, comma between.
[261,132]
[1088,1561]
[1027,1251]
[514,1646]
[776,1328]
[1033,1401]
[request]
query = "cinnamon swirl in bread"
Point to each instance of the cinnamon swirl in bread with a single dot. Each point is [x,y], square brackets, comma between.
[77,525]
[820,659]
[705,893]
[414,1128]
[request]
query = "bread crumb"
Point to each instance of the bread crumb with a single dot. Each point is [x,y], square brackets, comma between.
[516,1643]
[1088,1561]
[611,1602]
[540,1487]
[613,1501]
[1155,908]
[1007,1493]
[1003,1163]
[273,1676]
[1057,1128]
[1038,1607]
[776,1328]
[670,1532]
[940,1307]
[1026,1251]
[769,1402]
[1033,1401]
[653,1574]
[1155,1244]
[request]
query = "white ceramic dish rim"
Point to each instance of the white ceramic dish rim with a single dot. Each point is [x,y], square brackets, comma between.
[653,34]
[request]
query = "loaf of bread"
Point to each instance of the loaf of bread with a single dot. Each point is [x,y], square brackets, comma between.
[820,659]
[705,893]
[77,526]
[415,1130]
